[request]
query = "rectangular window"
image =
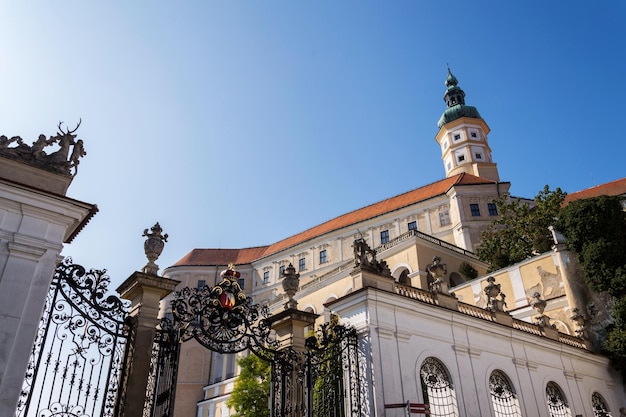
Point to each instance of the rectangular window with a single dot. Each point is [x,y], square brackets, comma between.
[444,217]
[412,225]
[301,264]
[475,210]
[461,158]
[201,284]
[242,283]
[266,277]
[384,237]
[230,365]
[323,258]
[493,209]
[473,134]
[479,156]
[281,269]
[457,137]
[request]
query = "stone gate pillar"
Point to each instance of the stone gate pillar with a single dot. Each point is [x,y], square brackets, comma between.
[145,290]
[36,220]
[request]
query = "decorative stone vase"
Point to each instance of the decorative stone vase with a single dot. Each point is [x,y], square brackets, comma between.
[153,246]
[291,283]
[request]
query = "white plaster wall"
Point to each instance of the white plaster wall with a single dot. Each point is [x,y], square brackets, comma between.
[404,332]
[33,227]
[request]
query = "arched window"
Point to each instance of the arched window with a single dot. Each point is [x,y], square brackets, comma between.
[503,396]
[438,389]
[600,409]
[557,404]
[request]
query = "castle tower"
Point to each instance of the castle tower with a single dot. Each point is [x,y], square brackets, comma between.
[463,136]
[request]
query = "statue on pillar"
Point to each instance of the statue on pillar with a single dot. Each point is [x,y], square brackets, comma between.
[153,246]
[365,258]
[438,270]
[492,290]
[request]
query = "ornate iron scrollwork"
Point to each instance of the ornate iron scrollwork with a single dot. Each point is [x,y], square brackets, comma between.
[76,364]
[223,319]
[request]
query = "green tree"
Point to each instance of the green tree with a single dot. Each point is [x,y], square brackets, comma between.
[596,230]
[521,230]
[251,393]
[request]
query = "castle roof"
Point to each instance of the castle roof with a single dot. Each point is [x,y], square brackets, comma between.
[207,257]
[613,188]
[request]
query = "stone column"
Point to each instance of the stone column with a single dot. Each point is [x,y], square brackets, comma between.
[145,292]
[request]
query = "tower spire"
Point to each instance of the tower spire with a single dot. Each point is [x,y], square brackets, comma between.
[463,136]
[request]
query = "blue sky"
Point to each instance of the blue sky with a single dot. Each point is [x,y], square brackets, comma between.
[240,123]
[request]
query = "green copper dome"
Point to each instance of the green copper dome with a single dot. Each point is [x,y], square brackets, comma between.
[455,100]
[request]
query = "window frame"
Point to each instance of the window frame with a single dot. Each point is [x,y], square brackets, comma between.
[384,236]
[475,209]
[323,256]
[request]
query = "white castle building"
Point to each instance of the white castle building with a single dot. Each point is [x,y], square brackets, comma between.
[435,333]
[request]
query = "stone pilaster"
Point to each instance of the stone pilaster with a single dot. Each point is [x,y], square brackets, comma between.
[145,292]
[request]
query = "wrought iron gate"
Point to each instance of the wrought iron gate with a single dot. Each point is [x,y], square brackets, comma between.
[326,379]
[77,363]
[161,389]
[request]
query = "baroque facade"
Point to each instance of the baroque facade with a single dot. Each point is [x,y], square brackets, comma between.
[440,331]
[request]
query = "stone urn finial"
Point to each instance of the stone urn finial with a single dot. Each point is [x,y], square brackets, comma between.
[291,283]
[153,246]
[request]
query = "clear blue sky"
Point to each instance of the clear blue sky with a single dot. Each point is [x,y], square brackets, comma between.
[240,123]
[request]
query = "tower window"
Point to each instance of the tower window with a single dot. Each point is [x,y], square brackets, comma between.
[461,158]
[301,264]
[457,137]
[412,225]
[473,134]
[475,210]
[493,209]
[449,166]
[384,237]
[478,155]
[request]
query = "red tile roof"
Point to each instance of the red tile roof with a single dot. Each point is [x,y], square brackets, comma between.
[617,187]
[243,256]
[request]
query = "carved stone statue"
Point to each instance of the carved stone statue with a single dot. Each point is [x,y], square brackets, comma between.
[438,270]
[365,258]
[492,290]
[539,305]
[59,161]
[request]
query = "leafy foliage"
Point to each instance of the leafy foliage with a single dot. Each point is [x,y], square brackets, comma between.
[250,396]
[596,230]
[468,271]
[521,230]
